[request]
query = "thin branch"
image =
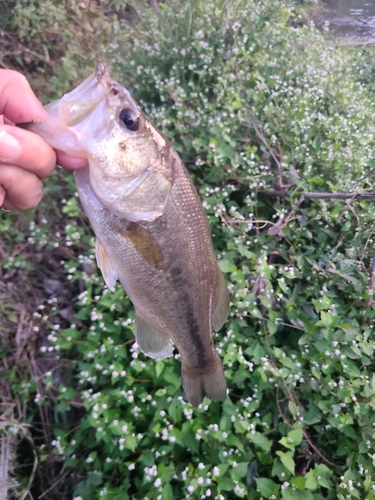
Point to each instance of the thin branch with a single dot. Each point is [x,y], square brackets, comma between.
[359,232]
[314,447]
[371,172]
[285,420]
[154,5]
[324,196]
[289,325]
[55,483]
[368,303]
[263,139]
[372,272]
[228,221]
[27,492]
[294,399]
[12,42]
[284,221]
[271,151]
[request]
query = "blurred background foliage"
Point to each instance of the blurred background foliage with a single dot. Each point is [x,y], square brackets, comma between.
[264,109]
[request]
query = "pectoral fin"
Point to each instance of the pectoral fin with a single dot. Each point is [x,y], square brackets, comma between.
[151,341]
[145,245]
[106,265]
[221,312]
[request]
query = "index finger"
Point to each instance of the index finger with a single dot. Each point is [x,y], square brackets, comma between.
[17,100]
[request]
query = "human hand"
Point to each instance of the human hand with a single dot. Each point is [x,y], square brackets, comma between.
[25,158]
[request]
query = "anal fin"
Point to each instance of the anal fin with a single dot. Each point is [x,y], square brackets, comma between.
[151,341]
[106,265]
[221,311]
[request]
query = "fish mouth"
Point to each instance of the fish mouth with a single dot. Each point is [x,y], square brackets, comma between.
[80,103]
[93,93]
[80,113]
[103,77]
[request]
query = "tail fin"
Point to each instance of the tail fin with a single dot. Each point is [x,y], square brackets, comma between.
[212,385]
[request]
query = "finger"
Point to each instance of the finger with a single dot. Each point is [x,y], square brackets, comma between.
[69,162]
[17,100]
[23,189]
[26,150]
[2,196]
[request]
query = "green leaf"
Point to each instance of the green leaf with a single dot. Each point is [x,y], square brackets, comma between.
[251,472]
[271,327]
[326,319]
[296,435]
[311,482]
[293,439]
[283,286]
[239,471]
[226,266]
[267,487]
[130,442]
[258,352]
[287,460]
[167,492]
[260,440]
[299,482]
[291,494]
[279,470]
[175,409]
[225,484]
[94,478]
[190,442]
[159,367]
[293,408]
[323,474]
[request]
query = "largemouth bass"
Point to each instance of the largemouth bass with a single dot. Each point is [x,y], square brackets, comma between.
[151,230]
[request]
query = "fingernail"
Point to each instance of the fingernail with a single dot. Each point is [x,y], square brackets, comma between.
[10,148]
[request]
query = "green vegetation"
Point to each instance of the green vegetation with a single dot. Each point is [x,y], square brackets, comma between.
[262,108]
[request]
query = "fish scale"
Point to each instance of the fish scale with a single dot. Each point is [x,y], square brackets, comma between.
[151,230]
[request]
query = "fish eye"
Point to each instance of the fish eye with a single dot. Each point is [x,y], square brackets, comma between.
[130,121]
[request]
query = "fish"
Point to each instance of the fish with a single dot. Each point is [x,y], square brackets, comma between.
[152,232]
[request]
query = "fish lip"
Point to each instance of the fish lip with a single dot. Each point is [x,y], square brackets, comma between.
[100,71]
[103,77]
